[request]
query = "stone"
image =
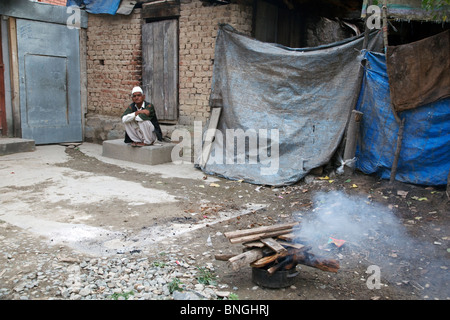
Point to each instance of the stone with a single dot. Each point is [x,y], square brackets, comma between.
[223,294]
[186,295]
[158,153]
[85,292]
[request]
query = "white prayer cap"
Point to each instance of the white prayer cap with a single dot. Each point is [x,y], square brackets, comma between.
[137,89]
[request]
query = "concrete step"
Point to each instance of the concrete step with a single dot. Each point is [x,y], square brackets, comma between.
[15,145]
[158,153]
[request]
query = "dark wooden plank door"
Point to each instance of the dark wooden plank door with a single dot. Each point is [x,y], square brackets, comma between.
[160,67]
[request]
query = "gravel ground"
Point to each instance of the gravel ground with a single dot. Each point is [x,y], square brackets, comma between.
[55,273]
[47,191]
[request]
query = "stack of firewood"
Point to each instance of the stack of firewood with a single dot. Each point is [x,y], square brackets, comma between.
[276,247]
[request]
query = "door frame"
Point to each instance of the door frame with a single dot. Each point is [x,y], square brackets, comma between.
[3,123]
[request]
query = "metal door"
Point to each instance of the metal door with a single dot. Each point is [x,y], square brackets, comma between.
[160,67]
[49,75]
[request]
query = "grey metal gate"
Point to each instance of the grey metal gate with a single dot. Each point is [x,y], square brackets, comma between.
[49,82]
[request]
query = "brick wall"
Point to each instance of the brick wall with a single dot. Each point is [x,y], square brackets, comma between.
[198,30]
[114,61]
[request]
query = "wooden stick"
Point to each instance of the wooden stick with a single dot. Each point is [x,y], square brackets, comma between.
[223,256]
[308,259]
[397,151]
[244,259]
[293,237]
[352,137]
[266,260]
[282,264]
[272,244]
[254,244]
[241,233]
[14,76]
[259,236]
[210,134]
[366,28]
[385,25]
[290,244]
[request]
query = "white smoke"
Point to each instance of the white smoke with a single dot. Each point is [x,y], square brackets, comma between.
[374,235]
[358,221]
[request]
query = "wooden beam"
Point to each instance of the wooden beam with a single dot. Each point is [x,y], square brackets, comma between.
[244,259]
[291,244]
[223,256]
[254,244]
[160,10]
[309,259]
[3,122]
[263,229]
[210,134]
[352,137]
[259,236]
[14,74]
[261,262]
[397,151]
[272,244]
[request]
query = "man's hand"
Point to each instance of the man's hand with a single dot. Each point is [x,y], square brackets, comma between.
[143,111]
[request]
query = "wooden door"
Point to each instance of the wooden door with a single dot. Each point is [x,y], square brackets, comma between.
[160,67]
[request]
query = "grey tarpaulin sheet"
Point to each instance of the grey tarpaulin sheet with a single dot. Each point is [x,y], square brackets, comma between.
[301,97]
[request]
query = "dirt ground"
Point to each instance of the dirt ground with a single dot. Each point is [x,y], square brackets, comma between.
[406,236]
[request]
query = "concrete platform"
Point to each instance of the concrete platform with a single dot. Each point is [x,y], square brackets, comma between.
[158,153]
[16,145]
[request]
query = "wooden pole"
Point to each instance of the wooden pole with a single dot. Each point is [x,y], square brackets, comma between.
[14,76]
[348,133]
[210,134]
[352,137]
[259,236]
[366,28]
[3,122]
[258,230]
[401,122]
[385,26]
[397,151]
[244,259]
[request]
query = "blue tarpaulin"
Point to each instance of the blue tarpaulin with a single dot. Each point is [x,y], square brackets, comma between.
[96,6]
[425,150]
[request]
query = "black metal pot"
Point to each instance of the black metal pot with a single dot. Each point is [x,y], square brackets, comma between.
[277,280]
